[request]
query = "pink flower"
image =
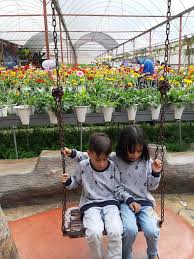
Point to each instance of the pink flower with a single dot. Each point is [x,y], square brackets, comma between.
[79,73]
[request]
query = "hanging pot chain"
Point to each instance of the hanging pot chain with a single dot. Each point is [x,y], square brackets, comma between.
[57,93]
[163,87]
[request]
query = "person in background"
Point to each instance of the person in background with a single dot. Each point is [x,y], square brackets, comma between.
[148,67]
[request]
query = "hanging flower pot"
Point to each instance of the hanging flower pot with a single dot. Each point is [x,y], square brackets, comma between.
[107,112]
[3,111]
[155,112]
[52,116]
[81,112]
[178,111]
[131,112]
[11,109]
[24,112]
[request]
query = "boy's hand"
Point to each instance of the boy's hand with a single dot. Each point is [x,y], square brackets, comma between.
[157,166]
[65,177]
[66,151]
[135,207]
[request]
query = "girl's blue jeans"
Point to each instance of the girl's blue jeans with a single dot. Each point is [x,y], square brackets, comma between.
[148,220]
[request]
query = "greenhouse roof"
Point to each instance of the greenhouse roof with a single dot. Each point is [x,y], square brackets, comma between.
[93,26]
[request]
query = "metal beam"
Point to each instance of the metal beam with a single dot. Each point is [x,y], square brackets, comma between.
[58,9]
[180,43]
[78,31]
[46,29]
[158,25]
[88,15]
[92,118]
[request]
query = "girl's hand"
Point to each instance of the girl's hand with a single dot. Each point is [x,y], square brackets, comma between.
[135,207]
[157,166]
[65,177]
[66,151]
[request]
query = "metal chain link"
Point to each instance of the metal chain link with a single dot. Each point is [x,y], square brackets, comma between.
[163,87]
[57,93]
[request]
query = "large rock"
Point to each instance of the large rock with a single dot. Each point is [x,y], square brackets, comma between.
[8,249]
[41,180]
[43,177]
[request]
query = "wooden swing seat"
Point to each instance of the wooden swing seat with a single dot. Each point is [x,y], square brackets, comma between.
[73,225]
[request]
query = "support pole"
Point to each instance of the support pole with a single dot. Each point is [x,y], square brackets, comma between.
[81,137]
[150,42]
[15,141]
[27,138]
[180,43]
[180,134]
[134,48]
[67,46]
[46,29]
[61,39]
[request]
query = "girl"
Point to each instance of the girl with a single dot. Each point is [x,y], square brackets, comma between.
[138,176]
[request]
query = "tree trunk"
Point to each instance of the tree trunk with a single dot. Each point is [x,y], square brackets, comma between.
[8,249]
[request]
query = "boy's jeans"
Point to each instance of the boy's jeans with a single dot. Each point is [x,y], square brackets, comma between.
[148,220]
[95,220]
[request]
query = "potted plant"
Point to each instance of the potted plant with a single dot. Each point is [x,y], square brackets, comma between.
[106,102]
[150,98]
[3,107]
[129,98]
[178,97]
[81,102]
[50,108]
[23,107]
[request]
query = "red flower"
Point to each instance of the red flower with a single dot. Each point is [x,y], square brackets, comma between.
[39,81]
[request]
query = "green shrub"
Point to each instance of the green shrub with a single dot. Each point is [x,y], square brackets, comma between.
[47,138]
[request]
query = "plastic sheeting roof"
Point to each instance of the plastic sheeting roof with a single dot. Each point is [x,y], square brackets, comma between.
[113,30]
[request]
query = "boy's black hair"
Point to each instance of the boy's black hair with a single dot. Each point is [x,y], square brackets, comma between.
[100,143]
[129,138]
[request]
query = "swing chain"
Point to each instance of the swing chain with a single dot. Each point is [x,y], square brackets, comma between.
[57,94]
[163,87]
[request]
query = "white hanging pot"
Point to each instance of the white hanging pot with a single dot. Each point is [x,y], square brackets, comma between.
[81,112]
[155,112]
[24,112]
[131,112]
[52,116]
[3,111]
[178,111]
[107,112]
[11,109]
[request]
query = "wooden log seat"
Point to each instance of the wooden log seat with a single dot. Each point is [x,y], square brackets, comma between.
[22,180]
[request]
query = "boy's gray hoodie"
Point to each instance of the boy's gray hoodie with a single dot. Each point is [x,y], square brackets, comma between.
[136,179]
[97,186]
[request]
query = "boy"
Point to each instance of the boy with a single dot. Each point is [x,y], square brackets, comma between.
[98,177]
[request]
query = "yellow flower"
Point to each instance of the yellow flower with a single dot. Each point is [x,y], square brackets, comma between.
[129,84]
[187,81]
[177,83]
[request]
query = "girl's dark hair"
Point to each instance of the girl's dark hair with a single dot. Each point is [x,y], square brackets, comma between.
[100,143]
[129,138]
